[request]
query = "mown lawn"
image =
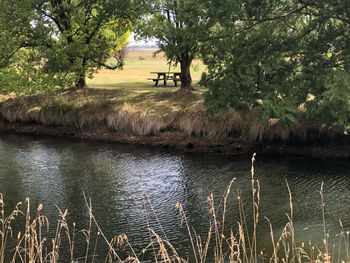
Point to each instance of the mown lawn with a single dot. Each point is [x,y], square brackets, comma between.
[138,67]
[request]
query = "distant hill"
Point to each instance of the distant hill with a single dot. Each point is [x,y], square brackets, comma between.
[142,46]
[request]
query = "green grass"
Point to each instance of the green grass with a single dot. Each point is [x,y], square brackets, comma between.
[138,67]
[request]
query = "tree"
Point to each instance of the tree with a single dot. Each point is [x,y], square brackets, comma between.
[21,61]
[76,37]
[15,32]
[280,56]
[178,26]
[85,33]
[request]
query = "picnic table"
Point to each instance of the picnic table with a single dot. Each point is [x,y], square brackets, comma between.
[165,76]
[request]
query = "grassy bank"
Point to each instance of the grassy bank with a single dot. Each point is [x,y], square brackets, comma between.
[136,111]
[151,111]
[25,236]
[125,102]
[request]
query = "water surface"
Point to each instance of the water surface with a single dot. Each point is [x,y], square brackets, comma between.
[131,186]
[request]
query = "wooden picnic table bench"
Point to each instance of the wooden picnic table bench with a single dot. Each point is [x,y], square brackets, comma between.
[165,76]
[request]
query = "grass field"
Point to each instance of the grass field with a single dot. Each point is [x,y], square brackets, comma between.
[138,67]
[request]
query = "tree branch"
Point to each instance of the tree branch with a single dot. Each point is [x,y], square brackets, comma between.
[105,65]
[258,22]
[56,21]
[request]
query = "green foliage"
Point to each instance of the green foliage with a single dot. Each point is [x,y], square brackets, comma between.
[273,55]
[333,105]
[26,75]
[177,25]
[14,30]
[180,27]
[88,32]
[69,38]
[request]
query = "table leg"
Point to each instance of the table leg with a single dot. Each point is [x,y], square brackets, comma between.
[176,77]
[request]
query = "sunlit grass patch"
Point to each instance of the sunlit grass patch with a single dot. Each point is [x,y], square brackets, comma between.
[138,67]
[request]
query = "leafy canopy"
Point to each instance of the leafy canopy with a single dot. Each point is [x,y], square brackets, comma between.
[177,25]
[285,58]
[68,39]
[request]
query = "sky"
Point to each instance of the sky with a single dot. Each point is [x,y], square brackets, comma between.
[133,41]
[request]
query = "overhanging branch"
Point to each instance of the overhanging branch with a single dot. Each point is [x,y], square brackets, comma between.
[105,65]
[258,22]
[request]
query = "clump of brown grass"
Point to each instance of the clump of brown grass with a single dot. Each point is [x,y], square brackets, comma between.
[199,122]
[302,130]
[127,118]
[62,109]
[139,113]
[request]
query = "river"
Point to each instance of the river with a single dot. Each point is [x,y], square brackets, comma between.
[132,186]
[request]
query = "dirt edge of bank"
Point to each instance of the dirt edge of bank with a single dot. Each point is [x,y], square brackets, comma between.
[177,140]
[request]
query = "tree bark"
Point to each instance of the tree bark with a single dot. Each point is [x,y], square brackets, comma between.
[186,79]
[81,84]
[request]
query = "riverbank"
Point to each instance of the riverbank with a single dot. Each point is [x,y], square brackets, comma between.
[174,140]
[162,118]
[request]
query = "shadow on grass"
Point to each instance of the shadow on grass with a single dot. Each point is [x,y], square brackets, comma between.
[160,100]
[149,85]
[127,85]
[139,93]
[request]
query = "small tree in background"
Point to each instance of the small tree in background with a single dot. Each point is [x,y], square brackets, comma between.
[120,56]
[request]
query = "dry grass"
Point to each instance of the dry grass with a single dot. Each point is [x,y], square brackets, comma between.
[137,112]
[149,112]
[199,122]
[221,244]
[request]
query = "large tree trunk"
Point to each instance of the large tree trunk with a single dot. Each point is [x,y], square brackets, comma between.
[81,84]
[186,79]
